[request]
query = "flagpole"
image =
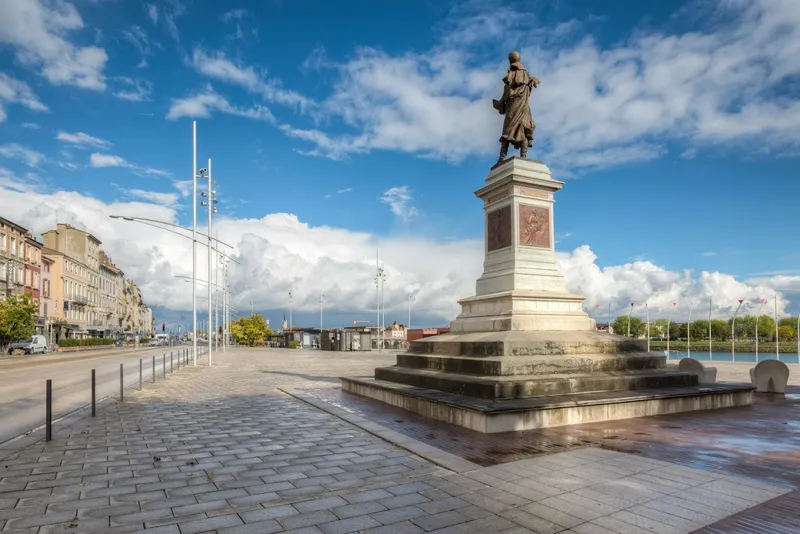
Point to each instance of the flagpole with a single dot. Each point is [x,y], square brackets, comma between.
[647,315]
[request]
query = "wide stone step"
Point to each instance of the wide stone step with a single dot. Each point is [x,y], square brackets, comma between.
[526,386]
[533,365]
[490,415]
[527,343]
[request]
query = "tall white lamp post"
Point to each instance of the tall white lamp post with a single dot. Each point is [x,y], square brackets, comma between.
[410,299]
[647,317]
[689,331]
[321,306]
[209,203]
[290,309]
[630,312]
[669,321]
[757,318]
[733,330]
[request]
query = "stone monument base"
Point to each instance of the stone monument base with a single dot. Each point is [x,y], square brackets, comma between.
[523,354]
[523,380]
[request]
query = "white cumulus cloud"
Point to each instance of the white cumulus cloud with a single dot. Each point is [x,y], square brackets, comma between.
[38,31]
[279,252]
[26,155]
[202,104]
[110,160]
[13,91]
[82,140]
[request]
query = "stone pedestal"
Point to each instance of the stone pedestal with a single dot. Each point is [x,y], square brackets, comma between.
[522,354]
[521,287]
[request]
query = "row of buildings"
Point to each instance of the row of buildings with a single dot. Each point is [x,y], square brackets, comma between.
[394,336]
[79,290]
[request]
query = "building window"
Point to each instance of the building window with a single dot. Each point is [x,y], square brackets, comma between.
[13,247]
[44,309]
[2,271]
[3,242]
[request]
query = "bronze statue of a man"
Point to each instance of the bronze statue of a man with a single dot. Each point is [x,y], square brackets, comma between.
[515,105]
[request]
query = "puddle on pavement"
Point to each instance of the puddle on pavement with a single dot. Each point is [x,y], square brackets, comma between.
[753,445]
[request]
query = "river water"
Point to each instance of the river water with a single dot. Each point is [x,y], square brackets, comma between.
[728,356]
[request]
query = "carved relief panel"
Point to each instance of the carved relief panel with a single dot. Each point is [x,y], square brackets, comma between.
[498,229]
[534,226]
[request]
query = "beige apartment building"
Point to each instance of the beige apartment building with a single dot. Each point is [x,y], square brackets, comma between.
[70,286]
[112,283]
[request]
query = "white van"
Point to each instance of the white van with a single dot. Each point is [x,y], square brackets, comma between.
[33,345]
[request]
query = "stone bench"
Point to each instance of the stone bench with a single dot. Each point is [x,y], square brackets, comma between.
[770,376]
[705,375]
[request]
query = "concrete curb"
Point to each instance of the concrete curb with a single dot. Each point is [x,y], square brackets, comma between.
[23,363]
[428,452]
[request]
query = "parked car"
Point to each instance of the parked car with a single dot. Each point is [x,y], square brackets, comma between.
[33,345]
[153,343]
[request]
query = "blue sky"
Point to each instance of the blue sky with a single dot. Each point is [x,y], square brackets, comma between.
[673,124]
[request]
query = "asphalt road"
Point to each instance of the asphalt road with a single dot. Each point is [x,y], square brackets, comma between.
[22,390]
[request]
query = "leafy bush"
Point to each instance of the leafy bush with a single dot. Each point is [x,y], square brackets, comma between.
[89,342]
[294,344]
[144,340]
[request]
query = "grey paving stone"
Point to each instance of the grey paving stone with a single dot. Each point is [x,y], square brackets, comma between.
[444,519]
[320,504]
[108,511]
[406,527]
[361,508]
[531,521]
[411,487]
[443,505]
[38,520]
[142,517]
[308,519]
[553,515]
[272,512]
[263,527]
[397,515]
[346,526]
[404,500]
[369,495]
[211,523]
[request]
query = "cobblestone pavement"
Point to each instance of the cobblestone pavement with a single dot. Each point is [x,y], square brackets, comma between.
[221,450]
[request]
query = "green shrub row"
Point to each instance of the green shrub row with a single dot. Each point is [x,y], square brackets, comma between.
[90,342]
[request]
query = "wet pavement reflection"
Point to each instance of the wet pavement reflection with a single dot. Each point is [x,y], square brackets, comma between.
[760,441]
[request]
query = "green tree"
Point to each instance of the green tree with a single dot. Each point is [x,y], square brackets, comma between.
[250,330]
[17,319]
[658,328]
[720,330]
[788,321]
[620,326]
[766,328]
[786,333]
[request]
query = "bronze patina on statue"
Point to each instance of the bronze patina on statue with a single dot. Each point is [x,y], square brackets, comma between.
[515,105]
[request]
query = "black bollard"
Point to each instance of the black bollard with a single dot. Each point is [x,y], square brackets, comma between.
[48,416]
[93,394]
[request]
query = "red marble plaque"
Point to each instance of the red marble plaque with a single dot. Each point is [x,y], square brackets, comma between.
[534,226]
[498,228]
